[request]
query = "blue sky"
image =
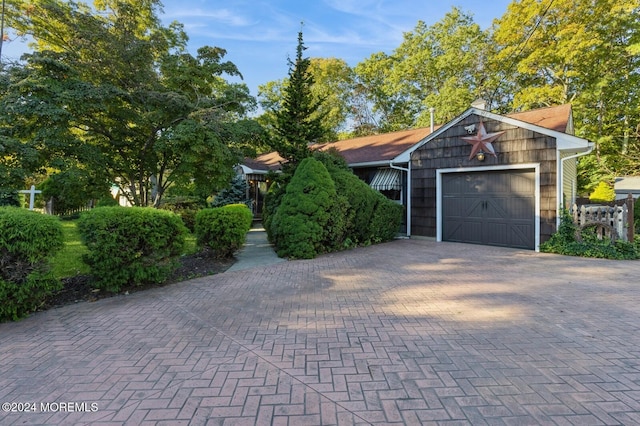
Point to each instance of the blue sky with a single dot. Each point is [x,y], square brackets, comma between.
[259,35]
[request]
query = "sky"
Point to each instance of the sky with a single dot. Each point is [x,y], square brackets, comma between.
[260,35]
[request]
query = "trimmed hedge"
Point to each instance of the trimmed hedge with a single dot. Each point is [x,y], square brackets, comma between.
[27,241]
[362,202]
[386,220]
[223,229]
[324,207]
[185,207]
[308,220]
[131,246]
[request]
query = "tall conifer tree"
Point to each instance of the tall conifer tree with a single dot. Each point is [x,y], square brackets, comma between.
[296,124]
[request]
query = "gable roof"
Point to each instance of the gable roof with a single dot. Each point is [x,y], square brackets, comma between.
[565,142]
[397,146]
[558,118]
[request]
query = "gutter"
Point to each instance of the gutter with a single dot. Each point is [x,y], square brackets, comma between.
[561,174]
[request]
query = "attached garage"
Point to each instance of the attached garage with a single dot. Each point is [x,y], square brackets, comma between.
[493,207]
[489,179]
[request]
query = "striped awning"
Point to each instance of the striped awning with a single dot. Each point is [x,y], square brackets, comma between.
[386,180]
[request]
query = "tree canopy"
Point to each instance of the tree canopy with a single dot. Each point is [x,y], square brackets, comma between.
[110,88]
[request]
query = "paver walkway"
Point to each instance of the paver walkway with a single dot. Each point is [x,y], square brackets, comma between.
[256,252]
[408,332]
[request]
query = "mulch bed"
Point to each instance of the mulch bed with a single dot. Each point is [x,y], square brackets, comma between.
[79,288]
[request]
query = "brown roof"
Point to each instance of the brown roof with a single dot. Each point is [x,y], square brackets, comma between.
[387,146]
[268,161]
[556,118]
[377,148]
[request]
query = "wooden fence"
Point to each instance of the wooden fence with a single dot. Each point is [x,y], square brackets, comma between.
[614,220]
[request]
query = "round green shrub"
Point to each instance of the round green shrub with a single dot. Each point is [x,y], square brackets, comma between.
[299,227]
[223,229]
[27,241]
[131,246]
[362,201]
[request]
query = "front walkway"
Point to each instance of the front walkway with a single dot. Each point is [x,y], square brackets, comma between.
[256,252]
[408,332]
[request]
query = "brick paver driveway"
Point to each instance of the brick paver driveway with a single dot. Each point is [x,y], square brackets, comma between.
[409,332]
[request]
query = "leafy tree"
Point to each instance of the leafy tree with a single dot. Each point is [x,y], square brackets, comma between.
[73,188]
[377,107]
[112,89]
[440,66]
[297,123]
[585,53]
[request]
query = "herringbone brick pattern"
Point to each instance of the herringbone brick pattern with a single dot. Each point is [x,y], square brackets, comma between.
[409,332]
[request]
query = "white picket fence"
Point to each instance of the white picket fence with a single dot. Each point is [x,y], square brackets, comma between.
[614,218]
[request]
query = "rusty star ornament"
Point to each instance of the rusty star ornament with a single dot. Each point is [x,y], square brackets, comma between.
[482,141]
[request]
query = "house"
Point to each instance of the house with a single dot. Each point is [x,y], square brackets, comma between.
[369,157]
[625,185]
[482,178]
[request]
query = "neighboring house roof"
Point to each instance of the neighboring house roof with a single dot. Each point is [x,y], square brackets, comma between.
[627,183]
[381,149]
[264,163]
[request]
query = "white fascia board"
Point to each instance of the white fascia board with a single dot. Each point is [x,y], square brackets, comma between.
[565,142]
[405,156]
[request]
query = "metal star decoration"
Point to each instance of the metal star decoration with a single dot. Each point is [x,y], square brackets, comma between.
[482,141]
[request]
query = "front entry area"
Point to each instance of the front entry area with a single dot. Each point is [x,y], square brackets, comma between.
[495,207]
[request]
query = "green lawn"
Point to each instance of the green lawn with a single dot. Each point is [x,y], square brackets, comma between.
[68,261]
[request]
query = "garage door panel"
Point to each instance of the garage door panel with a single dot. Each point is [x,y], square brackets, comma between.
[464,232]
[495,208]
[497,233]
[463,207]
[521,235]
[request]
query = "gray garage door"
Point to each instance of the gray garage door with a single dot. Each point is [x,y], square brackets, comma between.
[494,208]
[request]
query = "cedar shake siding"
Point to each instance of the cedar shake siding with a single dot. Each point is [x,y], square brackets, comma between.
[448,151]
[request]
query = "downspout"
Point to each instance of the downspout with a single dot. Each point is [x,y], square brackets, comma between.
[561,174]
[408,170]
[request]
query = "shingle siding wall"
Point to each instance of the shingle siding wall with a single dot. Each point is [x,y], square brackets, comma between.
[516,146]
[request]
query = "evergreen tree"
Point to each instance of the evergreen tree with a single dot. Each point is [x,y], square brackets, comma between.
[236,193]
[297,124]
